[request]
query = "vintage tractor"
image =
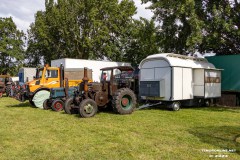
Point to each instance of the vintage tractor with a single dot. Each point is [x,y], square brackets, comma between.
[5,85]
[58,97]
[116,89]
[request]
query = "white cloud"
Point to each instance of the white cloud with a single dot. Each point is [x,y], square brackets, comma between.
[23,11]
[142,11]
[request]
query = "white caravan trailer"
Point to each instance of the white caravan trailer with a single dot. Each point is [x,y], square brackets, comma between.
[176,79]
[91,64]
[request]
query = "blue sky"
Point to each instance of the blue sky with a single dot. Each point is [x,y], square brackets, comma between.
[23,11]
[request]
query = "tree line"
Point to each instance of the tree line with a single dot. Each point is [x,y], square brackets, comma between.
[106,29]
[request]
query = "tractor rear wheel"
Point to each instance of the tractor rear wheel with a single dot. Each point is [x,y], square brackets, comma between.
[69,106]
[124,101]
[57,105]
[88,108]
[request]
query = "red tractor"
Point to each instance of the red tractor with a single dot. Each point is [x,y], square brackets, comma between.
[5,85]
[116,89]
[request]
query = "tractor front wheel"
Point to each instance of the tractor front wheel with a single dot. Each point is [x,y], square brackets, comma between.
[124,101]
[57,105]
[88,108]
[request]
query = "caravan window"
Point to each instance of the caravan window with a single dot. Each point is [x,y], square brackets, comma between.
[212,76]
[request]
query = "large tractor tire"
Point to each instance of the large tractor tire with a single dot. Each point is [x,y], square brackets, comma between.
[69,106]
[57,105]
[40,97]
[124,101]
[88,108]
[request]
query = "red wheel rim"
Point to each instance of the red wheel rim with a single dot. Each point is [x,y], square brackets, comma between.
[58,106]
[125,101]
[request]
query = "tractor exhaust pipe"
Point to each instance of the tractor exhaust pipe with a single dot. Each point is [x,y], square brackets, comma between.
[85,81]
[61,75]
[66,88]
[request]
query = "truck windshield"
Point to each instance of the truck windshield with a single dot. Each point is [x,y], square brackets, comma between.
[51,73]
[39,73]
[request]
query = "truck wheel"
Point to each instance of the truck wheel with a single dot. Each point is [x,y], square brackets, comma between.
[124,101]
[46,104]
[57,105]
[40,97]
[88,108]
[31,102]
[175,106]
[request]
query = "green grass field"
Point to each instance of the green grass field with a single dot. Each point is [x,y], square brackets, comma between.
[155,133]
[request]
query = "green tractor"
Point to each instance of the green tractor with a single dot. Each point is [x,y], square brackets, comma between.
[116,89]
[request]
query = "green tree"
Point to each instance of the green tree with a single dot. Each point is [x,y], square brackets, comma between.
[198,24]
[222,26]
[179,27]
[141,42]
[80,29]
[11,47]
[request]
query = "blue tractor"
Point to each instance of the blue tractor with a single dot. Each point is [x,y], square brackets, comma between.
[58,97]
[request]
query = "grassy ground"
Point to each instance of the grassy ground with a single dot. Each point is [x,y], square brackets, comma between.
[156,133]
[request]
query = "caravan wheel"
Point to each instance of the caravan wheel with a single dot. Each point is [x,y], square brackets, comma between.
[207,103]
[175,106]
